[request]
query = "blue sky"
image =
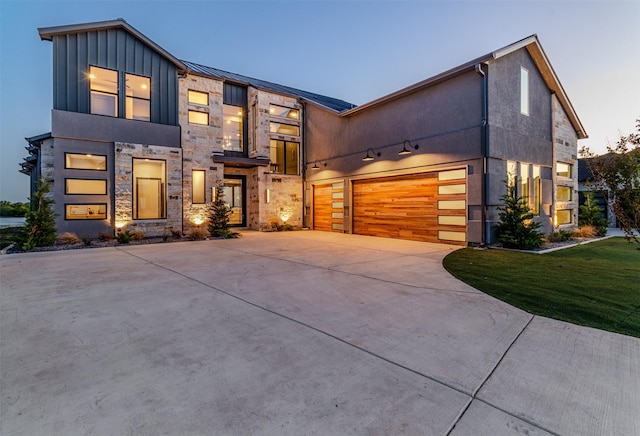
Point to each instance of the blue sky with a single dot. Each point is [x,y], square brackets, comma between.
[353,50]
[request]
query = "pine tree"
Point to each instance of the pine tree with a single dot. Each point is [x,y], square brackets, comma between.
[40,221]
[218,215]
[590,215]
[516,228]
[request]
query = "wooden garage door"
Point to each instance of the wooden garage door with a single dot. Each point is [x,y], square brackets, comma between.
[428,207]
[328,207]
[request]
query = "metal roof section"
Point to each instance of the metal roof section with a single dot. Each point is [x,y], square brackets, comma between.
[47,33]
[531,43]
[322,100]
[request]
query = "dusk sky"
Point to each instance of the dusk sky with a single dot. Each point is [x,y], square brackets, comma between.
[353,50]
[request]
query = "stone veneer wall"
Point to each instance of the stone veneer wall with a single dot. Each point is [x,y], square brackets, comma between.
[565,143]
[47,164]
[200,141]
[124,154]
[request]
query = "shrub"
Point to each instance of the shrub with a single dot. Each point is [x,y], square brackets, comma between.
[516,228]
[560,236]
[86,240]
[218,215]
[68,238]
[124,237]
[105,237]
[136,235]
[197,235]
[585,232]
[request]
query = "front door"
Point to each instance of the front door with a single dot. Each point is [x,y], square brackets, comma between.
[234,196]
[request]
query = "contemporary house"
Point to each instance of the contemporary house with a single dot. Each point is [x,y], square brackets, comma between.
[139,139]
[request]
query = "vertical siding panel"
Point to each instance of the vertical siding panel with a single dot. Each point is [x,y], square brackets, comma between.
[81,73]
[172,107]
[130,64]
[55,73]
[112,49]
[102,48]
[61,79]
[72,72]
[155,66]
[92,48]
[121,39]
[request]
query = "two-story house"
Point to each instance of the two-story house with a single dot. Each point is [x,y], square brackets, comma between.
[139,139]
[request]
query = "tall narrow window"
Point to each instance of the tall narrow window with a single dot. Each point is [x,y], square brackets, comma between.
[149,189]
[138,99]
[198,186]
[524,91]
[232,128]
[537,186]
[104,91]
[524,180]
[284,157]
[512,173]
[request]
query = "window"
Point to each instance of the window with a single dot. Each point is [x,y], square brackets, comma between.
[524,180]
[85,211]
[564,193]
[85,186]
[512,173]
[149,198]
[196,117]
[138,97]
[563,216]
[563,169]
[284,157]
[537,186]
[77,161]
[284,112]
[524,91]
[104,91]
[232,129]
[284,129]
[198,186]
[197,97]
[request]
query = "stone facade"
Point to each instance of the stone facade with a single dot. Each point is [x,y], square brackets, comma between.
[565,150]
[124,155]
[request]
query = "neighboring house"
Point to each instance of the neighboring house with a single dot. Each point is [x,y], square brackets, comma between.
[139,140]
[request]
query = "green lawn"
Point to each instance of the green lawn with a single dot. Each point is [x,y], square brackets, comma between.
[596,285]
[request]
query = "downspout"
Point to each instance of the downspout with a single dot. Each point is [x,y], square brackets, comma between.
[484,151]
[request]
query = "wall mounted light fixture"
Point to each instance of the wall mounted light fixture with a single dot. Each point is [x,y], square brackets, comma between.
[315,165]
[371,155]
[406,150]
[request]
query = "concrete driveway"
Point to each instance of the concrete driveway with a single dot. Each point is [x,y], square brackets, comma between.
[295,333]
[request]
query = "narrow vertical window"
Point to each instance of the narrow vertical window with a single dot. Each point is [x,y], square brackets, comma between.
[524,181]
[512,173]
[104,91]
[198,186]
[524,91]
[149,189]
[138,97]
[232,128]
[537,186]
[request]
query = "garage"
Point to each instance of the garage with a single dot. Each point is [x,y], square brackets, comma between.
[328,207]
[429,207]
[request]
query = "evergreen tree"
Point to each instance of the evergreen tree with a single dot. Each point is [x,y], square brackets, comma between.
[218,215]
[591,215]
[516,228]
[40,221]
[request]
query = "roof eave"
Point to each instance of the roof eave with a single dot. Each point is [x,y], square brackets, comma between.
[47,33]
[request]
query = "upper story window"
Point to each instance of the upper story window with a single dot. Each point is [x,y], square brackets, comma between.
[104,91]
[197,97]
[138,97]
[564,193]
[563,169]
[232,117]
[77,161]
[284,157]
[284,112]
[524,91]
[284,129]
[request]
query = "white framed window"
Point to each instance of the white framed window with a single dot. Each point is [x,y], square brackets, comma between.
[524,91]
[563,169]
[138,97]
[103,84]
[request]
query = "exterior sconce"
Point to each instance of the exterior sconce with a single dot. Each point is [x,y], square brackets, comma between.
[406,150]
[315,165]
[267,196]
[371,155]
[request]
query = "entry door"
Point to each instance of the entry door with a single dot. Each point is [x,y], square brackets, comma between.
[234,196]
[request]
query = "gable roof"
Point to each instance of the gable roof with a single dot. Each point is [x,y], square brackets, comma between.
[47,33]
[531,43]
[322,100]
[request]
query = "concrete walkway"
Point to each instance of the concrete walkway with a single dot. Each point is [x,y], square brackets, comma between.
[289,334]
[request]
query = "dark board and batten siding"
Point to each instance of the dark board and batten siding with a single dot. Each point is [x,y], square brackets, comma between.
[114,49]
